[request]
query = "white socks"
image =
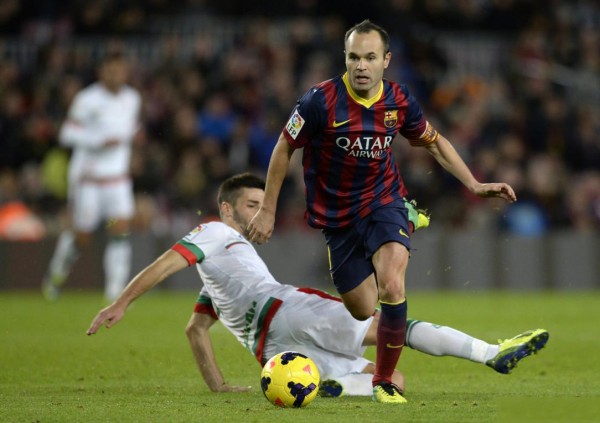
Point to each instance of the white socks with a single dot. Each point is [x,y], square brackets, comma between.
[430,339]
[357,384]
[65,255]
[117,266]
[442,340]
[117,262]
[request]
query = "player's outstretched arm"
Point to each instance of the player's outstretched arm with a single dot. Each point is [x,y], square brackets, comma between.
[197,331]
[496,189]
[262,224]
[443,151]
[164,266]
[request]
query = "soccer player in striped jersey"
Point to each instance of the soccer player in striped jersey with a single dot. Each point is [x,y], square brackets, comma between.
[354,190]
[267,317]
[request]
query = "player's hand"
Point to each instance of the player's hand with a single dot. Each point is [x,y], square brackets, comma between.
[261,226]
[497,189]
[109,315]
[111,142]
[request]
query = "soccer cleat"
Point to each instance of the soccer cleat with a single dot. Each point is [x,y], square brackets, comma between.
[388,393]
[330,389]
[515,349]
[418,217]
[423,220]
[51,286]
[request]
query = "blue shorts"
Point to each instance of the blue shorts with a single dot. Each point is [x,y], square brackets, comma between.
[351,249]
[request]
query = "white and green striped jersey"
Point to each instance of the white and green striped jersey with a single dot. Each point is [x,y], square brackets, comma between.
[244,294]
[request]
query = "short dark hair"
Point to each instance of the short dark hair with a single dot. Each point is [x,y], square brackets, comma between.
[368,26]
[230,188]
[113,56]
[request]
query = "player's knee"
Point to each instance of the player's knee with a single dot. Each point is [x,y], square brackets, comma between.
[119,227]
[392,291]
[190,329]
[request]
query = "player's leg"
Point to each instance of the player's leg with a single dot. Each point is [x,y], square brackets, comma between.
[361,301]
[355,384]
[84,218]
[387,243]
[390,262]
[352,274]
[511,351]
[117,259]
[66,253]
[118,202]
[440,340]
[356,254]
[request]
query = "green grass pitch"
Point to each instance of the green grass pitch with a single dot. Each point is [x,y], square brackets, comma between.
[143,370]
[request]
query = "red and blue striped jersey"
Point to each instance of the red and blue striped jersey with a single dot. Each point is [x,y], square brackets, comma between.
[349,168]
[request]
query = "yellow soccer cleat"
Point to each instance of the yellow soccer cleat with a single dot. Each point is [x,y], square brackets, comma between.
[514,349]
[418,217]
[388,393]
[423,220]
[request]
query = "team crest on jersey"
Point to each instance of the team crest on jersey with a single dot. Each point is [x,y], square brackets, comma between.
[390,118]
[295,124]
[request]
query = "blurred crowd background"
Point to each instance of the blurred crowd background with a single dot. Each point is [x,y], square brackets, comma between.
[513,84]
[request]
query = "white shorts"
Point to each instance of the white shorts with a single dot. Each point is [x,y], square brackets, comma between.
[323,330]
[94,202]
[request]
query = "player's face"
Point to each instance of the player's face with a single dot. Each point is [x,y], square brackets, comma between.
[114,74]
[246,206]
[365,62]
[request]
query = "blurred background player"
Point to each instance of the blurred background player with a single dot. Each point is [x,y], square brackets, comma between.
[267,317]
[102,122]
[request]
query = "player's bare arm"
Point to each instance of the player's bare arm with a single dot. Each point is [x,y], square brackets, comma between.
[262,224]
[445,154]
[111,142]
[198,335]
[169,263]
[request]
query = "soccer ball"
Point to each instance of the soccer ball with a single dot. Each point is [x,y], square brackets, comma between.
[290,379]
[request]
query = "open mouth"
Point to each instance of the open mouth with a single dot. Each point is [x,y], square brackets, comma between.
[361,79]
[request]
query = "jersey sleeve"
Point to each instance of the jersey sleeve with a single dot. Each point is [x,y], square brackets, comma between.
[414,122]
[204,305]
[76,130]
[80,110]
[307,118]
[204,240]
